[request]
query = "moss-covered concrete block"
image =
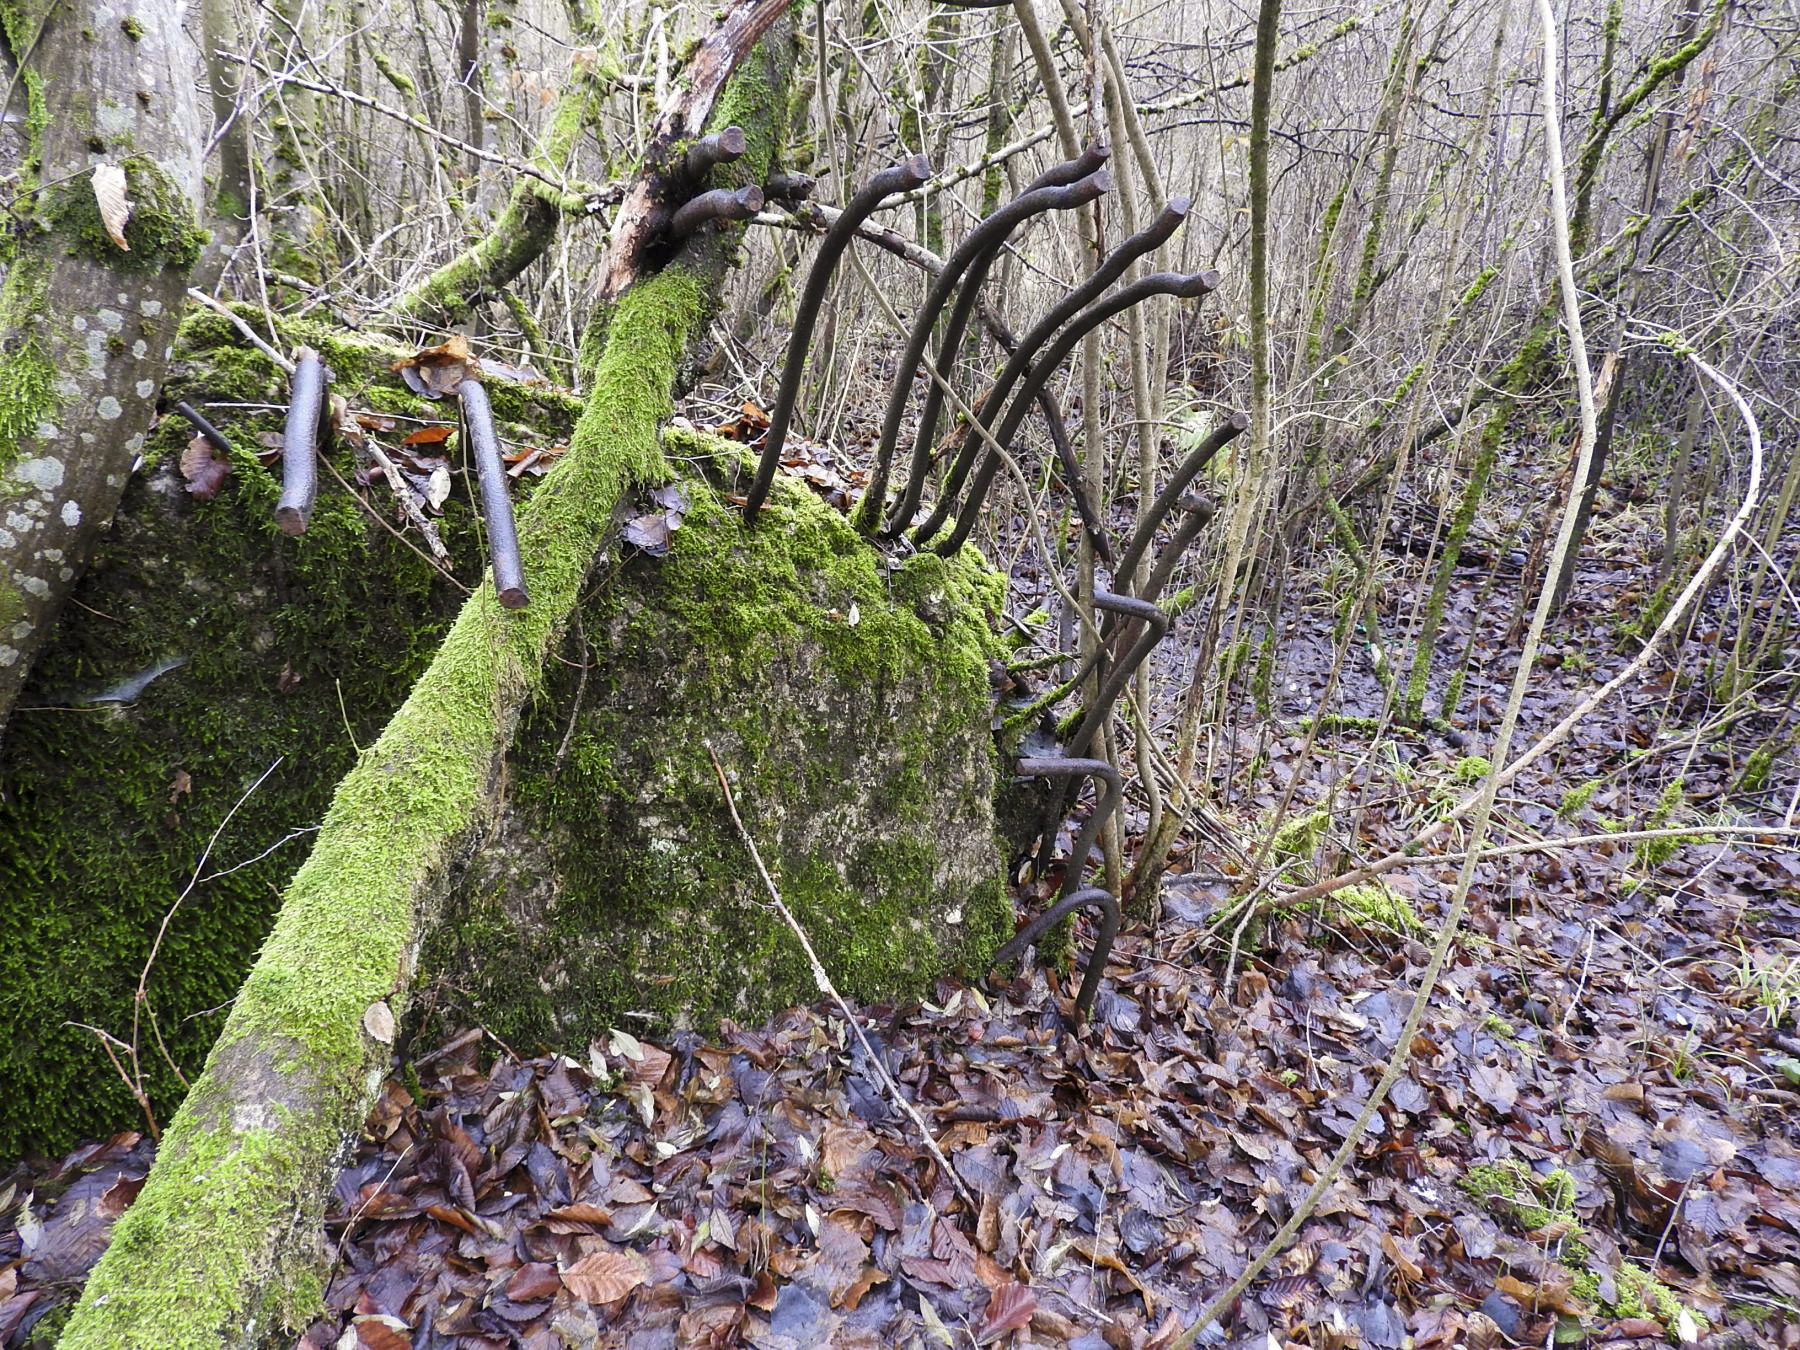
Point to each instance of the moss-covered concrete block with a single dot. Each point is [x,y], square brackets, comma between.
[202,646]
[849,698]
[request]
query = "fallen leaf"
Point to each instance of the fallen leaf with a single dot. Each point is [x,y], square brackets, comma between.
[204,469]
[378,1021]
[436,435]
[109,196]
[605,1276]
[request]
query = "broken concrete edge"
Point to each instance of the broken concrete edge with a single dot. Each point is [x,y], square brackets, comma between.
[223,1244]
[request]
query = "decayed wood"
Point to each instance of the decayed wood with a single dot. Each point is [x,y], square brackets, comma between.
[635,226]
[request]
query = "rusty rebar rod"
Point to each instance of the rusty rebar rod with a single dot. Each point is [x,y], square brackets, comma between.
[721,147]
[900,177]
[1074,171]
[787,186]
[1111,268]
[212,435]
[496,505]
[1196,515]
[716,204]
[1197,459]
[991,232]
[1096,898]
[1156,623]
[1185,286]
[300,442]
[1072,767]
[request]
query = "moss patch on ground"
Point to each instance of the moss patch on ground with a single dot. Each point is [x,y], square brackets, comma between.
[850,700]
[1544,1206]
[289,649]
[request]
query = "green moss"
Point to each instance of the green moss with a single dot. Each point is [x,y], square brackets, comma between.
[294,649]
[1514,1191]
[27,395]
[626,836]
[161,231]
[1298,837]
[1471,769]
[1575,800]
[1656,852]
[132,27]
[1372,905]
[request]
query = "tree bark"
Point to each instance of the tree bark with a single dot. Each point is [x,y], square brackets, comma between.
[224,1240]
[87,325]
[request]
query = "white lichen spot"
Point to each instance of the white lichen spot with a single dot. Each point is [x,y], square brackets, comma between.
[111,320]
[79,324]
[21,630]
[22,523]
[47,431]
[71,516]
[43,472]
[108,409]
[55,554]
[34,586]
[67,574]
[8,538]
[248,1117]
[136,443]
[145,388]
[150,308]
[8,655]
[140,349]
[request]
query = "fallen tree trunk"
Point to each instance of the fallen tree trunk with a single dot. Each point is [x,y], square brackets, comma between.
[223,1243]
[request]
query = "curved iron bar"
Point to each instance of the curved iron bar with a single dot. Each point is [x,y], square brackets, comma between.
[1197,514]
[715,204]
[902,177]
[211,434]
[1111,268]
[1089,160]
[721,147]
[1198,458]
[1094,897]
[990,233]
[1186,286]
[1156,623]
[1073,766]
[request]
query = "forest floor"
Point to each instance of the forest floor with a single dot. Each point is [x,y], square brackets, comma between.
[1595,1141]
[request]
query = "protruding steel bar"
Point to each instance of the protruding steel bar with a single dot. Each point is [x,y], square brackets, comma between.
[988,234]
[1186,286]
[300,443]
[1073,766]
[496,505]
[787,186]
[721,147]
[1196,515]
[968,294]
[717,204]
[212,435]
[1102,903]
[1156,623]
[901,177]
[1198,458]
[1111,268]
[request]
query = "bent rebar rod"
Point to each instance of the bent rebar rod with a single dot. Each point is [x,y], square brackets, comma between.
[299,444]
[901,177]
[715,204]
[496,506]
[1071,171]
[1156,623]
[1070,767]
[1093,897]
[990,232]
[1197,514]
[1198,458]
[1111,268]
[1185,286]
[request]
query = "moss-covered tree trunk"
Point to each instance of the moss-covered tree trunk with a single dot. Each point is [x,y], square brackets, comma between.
[224,1239]
[87,321]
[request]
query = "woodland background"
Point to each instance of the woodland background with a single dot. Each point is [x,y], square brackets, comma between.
[1329,804]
